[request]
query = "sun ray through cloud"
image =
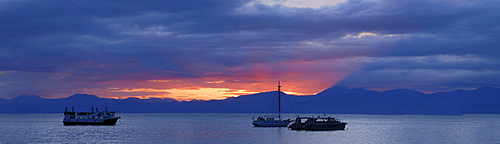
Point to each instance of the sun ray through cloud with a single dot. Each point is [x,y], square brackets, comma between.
[203,49]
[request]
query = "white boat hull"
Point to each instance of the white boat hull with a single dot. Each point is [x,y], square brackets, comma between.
[271,123]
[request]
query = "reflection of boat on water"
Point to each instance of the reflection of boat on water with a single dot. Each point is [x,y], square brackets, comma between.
[272,121]
[317,123]
[89,118]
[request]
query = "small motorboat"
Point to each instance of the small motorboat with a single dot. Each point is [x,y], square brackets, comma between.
[317,123]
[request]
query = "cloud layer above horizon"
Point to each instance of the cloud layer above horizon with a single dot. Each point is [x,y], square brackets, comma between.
[211,49]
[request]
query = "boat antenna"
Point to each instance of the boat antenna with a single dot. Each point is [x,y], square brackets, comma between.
[279,100]
[92,109]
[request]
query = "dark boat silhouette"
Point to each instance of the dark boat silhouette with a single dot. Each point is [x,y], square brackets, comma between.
[317,123]
[90,118]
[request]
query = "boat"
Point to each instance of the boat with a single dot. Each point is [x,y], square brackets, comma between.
[317,123]
[272,121]
[90,118]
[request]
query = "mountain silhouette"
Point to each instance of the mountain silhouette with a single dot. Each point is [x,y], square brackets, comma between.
[339,99]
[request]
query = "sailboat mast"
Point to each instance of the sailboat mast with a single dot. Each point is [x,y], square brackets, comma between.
[279,101]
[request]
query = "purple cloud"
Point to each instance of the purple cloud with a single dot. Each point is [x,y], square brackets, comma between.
[391,43]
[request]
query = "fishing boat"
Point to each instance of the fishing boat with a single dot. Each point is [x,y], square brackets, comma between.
[272,121]
[90,118]
[317,123]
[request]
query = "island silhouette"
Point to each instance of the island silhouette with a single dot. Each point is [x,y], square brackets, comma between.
[336,100]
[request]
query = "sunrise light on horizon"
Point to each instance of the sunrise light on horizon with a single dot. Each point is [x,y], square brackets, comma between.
[212,50]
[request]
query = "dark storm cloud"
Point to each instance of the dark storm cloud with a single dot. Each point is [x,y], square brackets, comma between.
[95,41]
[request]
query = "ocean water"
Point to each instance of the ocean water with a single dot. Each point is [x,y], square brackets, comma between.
[237,128]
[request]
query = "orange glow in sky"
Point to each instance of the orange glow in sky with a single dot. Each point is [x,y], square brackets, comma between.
[190,93]
[299,78]
[185,94]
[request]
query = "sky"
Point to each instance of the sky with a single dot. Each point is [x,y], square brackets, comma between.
[214,49]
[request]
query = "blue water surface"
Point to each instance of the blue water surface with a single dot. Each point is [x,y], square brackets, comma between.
[237,128]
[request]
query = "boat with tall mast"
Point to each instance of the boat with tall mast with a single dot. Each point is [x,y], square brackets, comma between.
[272,121]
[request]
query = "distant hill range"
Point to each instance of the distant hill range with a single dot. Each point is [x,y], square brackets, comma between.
[336,100]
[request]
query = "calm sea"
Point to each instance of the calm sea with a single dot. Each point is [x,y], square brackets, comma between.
[237,128]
